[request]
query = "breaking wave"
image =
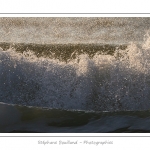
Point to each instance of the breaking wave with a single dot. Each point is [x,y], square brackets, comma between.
[103,82]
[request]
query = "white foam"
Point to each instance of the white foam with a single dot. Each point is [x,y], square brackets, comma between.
[107,83]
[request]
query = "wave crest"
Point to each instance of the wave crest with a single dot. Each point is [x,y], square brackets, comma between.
[103,82]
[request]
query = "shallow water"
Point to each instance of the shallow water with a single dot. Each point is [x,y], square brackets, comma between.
[19,119]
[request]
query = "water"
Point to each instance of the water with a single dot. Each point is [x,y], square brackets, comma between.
[86,74]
